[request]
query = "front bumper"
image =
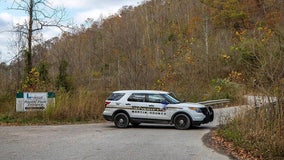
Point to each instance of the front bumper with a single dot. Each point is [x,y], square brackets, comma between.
[209,116]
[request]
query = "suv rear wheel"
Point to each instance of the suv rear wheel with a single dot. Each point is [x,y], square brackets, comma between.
[182,121]
[121,120]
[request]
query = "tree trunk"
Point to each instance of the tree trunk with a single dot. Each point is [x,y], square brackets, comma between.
[30,34]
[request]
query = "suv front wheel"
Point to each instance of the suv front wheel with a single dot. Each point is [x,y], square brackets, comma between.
[182,121]
[121,120]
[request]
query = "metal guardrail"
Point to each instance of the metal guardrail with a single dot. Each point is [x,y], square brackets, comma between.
[215,102]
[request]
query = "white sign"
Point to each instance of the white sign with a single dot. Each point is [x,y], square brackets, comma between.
[35,100]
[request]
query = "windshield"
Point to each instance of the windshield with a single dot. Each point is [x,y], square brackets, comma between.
[171,98]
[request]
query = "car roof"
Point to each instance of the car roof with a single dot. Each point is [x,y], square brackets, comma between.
[141,91]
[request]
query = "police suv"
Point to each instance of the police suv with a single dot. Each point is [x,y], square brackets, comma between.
[149,106]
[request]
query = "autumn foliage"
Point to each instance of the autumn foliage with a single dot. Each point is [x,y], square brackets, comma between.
[199,49]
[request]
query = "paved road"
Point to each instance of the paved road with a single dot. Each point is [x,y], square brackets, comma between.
[105,142]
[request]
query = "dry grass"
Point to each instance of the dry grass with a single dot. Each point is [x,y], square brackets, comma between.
[259,131]
[79,106]
[75,107]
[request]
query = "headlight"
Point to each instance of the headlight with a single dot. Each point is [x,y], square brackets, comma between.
[195,109]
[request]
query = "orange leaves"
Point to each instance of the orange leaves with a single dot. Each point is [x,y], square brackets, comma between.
[229,13]
[33,82]
[226,57]
[193,25]
[218,142]
[240,35]
[183,54]
[159,84]
[235,76]
[189,60]
[169,78]
[265,33]
[273,18]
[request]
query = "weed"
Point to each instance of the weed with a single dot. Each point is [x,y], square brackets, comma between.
[257,131]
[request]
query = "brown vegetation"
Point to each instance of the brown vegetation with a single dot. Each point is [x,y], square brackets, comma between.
[257,133]
[200,49]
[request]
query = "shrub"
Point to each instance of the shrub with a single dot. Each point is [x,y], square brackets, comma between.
[223,88]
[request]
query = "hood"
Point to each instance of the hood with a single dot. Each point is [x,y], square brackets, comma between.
[188,104]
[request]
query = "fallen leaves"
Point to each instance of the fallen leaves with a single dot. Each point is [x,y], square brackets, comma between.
[223,146]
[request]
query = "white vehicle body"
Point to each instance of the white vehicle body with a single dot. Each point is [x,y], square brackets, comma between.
[149,106]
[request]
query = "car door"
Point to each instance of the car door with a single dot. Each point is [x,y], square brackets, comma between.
[138,105]
[157,107]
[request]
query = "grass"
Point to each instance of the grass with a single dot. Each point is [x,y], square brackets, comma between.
[259,131]
[81,106]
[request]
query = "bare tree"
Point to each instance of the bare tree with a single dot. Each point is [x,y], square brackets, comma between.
[41,14]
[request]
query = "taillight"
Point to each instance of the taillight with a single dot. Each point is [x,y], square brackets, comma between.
[106,103]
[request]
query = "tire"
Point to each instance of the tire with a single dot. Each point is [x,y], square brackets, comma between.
[182,121]
[121,120]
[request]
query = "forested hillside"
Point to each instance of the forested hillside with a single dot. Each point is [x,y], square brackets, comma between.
[200,49]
